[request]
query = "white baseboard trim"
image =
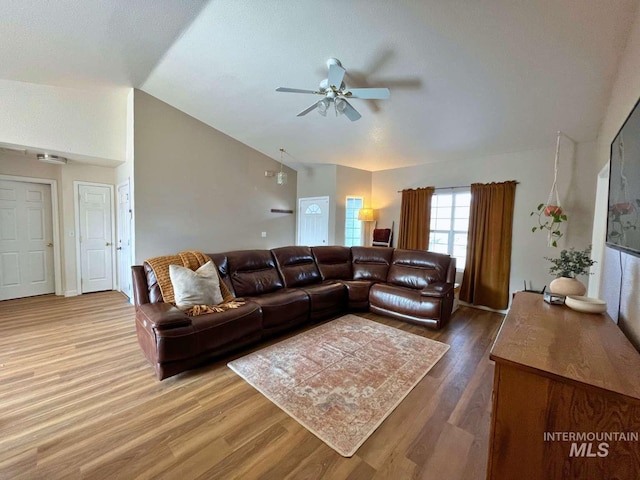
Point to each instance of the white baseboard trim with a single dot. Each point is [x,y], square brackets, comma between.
[71,293]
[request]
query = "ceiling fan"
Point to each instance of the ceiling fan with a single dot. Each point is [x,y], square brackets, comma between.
[334,91]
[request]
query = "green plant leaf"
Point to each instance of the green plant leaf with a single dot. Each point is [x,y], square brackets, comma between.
[533,229]
[563,217]
[540,206]
[554,244]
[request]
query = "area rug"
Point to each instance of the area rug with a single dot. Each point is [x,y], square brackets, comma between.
[342,379]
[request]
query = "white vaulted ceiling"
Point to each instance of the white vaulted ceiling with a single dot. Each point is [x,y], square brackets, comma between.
[467,78]
[89,43]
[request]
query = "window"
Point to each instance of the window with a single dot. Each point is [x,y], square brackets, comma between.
[313,210]
[450,224]
[353,226]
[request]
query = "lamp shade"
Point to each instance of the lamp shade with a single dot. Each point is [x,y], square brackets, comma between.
[365,214]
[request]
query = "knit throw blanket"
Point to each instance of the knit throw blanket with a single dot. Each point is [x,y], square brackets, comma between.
[191,259]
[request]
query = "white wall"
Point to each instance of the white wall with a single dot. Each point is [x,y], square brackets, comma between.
[534,170]
[197,188]
[125,172]
[87,125]
[621,272]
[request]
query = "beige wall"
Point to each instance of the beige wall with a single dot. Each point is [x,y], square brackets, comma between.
[73,172]
[336,182]
[534,170]
[197,188]
[18,164]
[616,283]
[320,181]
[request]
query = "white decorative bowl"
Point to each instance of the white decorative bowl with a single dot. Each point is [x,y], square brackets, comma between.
[585,304]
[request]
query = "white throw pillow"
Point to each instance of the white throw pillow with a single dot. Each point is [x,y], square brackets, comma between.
[190,288]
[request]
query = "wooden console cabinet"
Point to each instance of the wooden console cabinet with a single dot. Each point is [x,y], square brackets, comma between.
[573,377]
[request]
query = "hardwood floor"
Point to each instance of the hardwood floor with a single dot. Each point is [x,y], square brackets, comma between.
[78,400]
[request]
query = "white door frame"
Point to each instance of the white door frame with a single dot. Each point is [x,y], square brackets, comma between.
[127,183]
[599,233]
[57,267]
[76,214]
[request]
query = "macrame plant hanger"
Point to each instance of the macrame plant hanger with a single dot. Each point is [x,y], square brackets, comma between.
[554,191]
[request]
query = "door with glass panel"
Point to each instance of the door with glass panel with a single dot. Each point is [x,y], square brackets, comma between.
[313,221]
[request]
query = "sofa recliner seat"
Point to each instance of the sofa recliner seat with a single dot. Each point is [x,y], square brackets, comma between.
[174,342]
[298,269]
[255,277]
[415,279]
[285,288]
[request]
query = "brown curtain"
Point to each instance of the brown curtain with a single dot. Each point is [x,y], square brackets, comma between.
[415,218]
[486,275]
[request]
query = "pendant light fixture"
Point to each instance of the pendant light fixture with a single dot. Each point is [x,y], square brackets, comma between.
[281,177]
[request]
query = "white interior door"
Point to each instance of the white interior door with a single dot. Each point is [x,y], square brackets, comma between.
[26,240]
[124,239]
[96,249]
[313,221]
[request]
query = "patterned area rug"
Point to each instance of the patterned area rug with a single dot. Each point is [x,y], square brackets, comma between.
[342,379]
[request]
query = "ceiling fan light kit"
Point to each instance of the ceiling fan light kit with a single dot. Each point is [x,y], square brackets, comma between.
[336,92]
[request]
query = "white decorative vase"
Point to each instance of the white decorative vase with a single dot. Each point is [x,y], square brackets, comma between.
[567,286]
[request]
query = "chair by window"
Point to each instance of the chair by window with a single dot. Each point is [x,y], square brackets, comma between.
[382,237]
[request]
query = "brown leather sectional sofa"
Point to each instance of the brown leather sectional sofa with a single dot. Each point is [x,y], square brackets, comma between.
[288,287]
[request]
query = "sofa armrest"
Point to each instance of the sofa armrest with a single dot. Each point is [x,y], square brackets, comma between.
[437,289]
[163,316]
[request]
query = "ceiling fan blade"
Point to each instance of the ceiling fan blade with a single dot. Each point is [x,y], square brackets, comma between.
[336,75]
[307,110]
[368,93]
[295,90]
[351,113]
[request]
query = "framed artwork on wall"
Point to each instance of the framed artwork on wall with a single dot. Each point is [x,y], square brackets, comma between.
[623,216]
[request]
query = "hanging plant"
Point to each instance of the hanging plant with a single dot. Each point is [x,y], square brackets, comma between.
[550,215]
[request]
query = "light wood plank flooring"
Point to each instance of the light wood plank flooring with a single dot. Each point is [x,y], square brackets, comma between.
[78,400]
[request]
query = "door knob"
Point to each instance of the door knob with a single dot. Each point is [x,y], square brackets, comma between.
[108,244]
[49,244]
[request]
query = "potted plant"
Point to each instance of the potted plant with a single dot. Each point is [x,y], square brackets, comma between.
[570,264]
[550,217]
